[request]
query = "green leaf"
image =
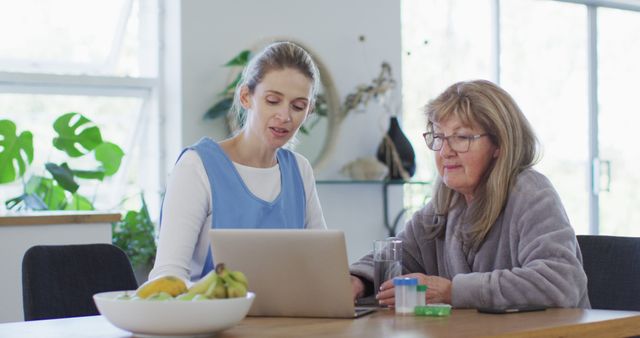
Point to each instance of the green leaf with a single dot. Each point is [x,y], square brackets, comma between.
[134,234]
[16,152]
[13,202]
[311,122]
[33,183]
[231,87]
[321,106]
[304,130]
[241,118]
[89,174]
[26,201]
[221,108]
[63,175]
[239,60]
[79,202]
[110,155]
[70,137]
[45,188]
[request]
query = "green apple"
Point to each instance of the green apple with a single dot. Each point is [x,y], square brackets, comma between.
[187,296]
[160,296]
[199,297]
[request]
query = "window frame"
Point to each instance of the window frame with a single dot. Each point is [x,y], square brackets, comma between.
[592,85]
[591,31]
[145,88]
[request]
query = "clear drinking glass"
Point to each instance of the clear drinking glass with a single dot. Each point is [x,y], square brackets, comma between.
[387,260]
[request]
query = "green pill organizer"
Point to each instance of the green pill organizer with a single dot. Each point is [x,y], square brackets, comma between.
[433,310]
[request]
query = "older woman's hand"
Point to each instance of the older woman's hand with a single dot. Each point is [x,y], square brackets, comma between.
[438,289]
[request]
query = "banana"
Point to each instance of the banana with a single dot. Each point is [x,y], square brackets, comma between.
[235,289]
[221,283]
[211,287]
[192,297]
[220,290]
[239,277]
[218,283]
[201,286]
[221,270]
[169,284]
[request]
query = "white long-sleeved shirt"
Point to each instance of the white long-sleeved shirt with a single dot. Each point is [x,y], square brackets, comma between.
[187,210]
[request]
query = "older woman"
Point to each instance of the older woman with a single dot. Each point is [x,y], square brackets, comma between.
[495,233]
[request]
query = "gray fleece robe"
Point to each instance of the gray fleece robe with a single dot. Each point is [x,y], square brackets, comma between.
[530,255]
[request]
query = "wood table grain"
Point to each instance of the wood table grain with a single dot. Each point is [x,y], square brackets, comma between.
[384,323]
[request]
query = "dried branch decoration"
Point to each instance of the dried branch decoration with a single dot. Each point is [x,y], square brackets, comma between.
[379,86]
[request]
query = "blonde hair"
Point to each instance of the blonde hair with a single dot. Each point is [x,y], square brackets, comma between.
[276,56]
[483,104]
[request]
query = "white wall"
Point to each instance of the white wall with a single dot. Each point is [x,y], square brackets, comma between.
[211,32]
[18,234]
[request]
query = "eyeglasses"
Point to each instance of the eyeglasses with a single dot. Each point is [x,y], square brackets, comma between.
[457,143]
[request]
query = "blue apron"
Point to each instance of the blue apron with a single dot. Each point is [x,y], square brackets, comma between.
[236,207]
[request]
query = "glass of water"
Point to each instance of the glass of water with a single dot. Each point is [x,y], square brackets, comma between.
[387,260]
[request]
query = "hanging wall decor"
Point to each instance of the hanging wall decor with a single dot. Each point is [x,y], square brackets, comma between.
[396,152]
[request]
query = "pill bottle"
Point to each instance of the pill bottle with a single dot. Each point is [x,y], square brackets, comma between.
[405,292]
[421,295]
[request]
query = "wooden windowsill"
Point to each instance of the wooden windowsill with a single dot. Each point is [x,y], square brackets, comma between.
[59,217]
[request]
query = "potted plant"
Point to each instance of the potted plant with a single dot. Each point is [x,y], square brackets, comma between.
[134,235]
[57,188]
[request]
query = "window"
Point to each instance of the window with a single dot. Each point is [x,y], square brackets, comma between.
[570,66]
[618,39]
[443,42]
[544,67]
[98,58]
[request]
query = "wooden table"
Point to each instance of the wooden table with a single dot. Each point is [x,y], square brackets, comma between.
[384,323]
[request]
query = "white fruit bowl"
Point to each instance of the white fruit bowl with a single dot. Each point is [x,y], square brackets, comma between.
[172,317]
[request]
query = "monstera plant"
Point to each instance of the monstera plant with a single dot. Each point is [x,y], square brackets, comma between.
[77,136]
[16,149]
[57,187]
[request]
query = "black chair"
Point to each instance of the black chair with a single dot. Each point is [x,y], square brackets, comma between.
[612,265]
[59,280]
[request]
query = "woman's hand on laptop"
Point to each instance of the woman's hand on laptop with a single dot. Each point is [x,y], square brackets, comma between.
[438,289]
[357,286]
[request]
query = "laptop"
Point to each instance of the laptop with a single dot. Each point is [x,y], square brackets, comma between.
[294,273]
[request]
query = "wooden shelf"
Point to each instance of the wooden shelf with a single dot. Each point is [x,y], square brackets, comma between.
[59,217]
